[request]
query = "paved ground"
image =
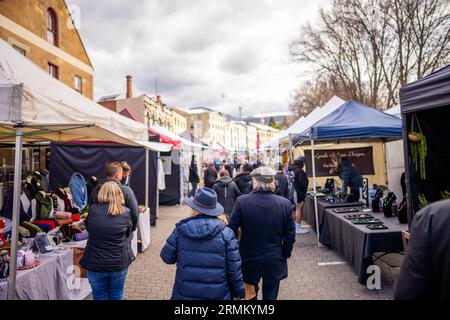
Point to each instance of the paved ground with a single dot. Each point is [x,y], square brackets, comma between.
[150,278]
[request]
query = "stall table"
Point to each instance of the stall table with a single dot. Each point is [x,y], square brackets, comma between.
[144,229]
[309,213]
[51,280]
[356,243]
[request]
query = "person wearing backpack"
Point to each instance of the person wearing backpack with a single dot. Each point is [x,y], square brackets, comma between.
[227,192]
[114,172]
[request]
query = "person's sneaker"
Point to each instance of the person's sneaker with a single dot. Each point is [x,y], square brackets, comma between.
[301,230]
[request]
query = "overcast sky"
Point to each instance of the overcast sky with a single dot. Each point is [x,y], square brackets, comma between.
[200,50]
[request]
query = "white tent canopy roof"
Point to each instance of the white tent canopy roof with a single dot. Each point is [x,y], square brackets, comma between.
[175,137]
[53,111]
[395,111]
[311,119]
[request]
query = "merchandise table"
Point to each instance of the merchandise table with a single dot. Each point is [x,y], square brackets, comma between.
[309,214]
[357,243]
[143,230]
[53,279]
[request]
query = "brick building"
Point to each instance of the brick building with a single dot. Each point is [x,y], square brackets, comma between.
[148,110]
[44,32]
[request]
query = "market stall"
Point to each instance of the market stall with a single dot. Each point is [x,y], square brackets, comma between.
[425,107]
[36,108]
[350,122]
[90,159]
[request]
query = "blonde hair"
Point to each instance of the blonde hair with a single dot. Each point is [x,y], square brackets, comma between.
[126,168]
[111,193]
[222,217]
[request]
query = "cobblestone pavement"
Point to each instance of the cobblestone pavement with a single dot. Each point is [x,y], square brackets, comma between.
[150,279]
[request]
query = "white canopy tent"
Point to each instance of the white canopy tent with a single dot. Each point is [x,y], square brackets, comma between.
[304,123]
[173,136]
[34,107]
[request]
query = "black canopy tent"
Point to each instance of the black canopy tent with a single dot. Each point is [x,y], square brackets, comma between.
[90,159]
[425,106]
[171,195]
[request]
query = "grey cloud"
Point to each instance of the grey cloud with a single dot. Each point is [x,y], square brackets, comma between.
[198,49]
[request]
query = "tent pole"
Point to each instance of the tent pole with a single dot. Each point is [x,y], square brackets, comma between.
[291,152]
[315,192]
[147,172]
[16,214]
[157,185]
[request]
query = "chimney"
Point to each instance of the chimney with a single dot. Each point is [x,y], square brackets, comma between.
[129,87]
[158,99]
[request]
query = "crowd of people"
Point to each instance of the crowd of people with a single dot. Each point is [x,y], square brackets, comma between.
[228,246]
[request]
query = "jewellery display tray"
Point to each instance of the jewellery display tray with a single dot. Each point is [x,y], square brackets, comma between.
[377,227]
[359,216]
[367,221]
[345,210]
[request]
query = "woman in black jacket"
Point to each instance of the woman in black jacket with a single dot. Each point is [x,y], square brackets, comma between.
[108,252]
[227,192]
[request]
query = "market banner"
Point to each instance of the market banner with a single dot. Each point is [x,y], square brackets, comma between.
[361,158]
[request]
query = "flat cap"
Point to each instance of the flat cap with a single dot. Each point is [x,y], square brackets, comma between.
[264,174]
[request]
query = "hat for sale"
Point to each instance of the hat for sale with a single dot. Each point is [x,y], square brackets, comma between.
[264,174]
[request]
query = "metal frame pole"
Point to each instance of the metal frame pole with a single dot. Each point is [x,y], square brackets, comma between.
[291,151]
[147,181]
[16,213]
[157,184]
[315,192]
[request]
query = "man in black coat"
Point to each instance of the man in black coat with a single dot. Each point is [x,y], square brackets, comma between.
[114,173]
[210,176]
[425,273]
[267,233]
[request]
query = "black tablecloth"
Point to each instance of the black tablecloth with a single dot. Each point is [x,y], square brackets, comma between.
[357,243]
[309,213]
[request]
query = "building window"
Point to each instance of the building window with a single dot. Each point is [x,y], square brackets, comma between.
[53,71]
[52,27]
[78,84]
[20,50]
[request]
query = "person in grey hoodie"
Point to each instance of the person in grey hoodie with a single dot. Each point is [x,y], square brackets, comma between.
[227,192]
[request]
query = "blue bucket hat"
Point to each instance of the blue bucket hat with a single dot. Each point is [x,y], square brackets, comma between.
[205,202]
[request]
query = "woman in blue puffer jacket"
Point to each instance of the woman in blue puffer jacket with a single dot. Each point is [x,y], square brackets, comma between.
[206,253]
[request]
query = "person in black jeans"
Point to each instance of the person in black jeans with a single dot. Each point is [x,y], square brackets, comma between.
[194,178]
[108,252]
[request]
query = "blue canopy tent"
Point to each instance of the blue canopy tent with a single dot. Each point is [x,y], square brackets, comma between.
[351,121]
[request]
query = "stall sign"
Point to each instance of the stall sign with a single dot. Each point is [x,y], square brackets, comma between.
[361,158]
